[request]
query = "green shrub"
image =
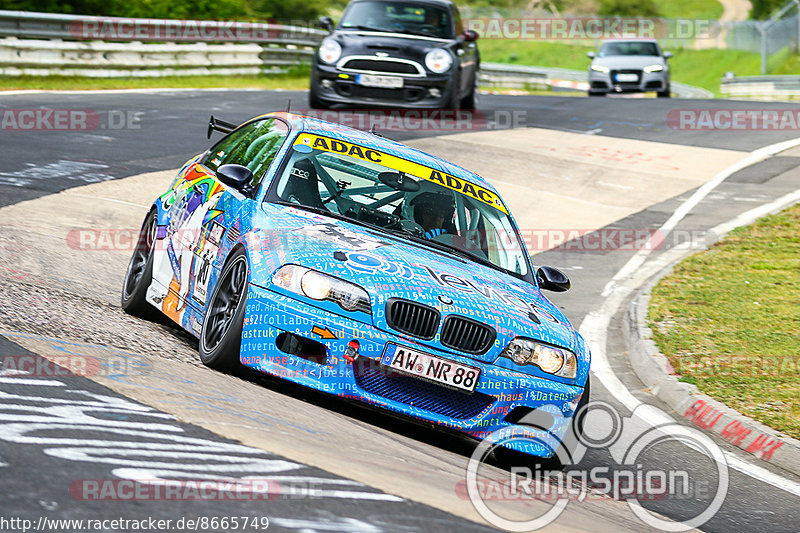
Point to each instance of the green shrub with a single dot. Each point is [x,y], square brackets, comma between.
[628,8]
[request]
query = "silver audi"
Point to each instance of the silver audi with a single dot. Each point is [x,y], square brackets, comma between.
[629,66]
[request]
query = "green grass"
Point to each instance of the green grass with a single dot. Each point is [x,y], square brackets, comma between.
[690,9]
[701,68]
[290,80]
[728,320]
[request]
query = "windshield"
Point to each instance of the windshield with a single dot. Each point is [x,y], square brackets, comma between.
[401,197]
[629,49]
[398,17]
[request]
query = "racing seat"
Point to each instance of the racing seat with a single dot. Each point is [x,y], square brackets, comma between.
[302,185]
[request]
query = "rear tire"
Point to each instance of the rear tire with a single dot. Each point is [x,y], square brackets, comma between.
[221,335]
[140,272]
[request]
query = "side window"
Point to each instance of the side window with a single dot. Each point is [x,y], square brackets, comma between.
[253,146]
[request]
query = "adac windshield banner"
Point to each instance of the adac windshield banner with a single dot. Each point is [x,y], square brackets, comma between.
[402,165]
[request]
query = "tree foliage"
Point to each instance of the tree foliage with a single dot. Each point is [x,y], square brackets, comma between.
[763,8]
[628,8]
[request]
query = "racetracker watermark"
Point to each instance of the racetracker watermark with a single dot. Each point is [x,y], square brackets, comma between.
[632,443]
[130,29]
[591,28]
[194,523]
[68,365]
[42,119]
[175,490]
[534,240]
[718,365]
[734,119]
[418,120]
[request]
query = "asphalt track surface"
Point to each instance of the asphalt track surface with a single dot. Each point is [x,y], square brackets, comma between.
[171,128]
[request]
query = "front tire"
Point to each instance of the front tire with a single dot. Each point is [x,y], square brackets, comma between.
[221,335]
[140,272]
[314,101]
[452,101]
[471,100]
[666,93]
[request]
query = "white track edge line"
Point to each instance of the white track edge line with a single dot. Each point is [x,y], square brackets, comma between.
[594,326]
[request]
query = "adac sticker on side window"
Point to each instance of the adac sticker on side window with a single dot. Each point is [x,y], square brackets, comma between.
[415,169]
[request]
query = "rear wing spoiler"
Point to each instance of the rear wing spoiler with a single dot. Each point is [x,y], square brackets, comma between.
[215,124]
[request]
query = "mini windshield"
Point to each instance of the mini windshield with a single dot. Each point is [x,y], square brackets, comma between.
[628,49]
[403,198]
[398,17]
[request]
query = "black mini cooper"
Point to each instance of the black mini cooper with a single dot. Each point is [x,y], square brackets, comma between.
[397,53]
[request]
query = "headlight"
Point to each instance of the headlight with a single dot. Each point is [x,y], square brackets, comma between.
[654,68]
[600,68]
[438,60]
[557,361]
[330,51]
[319,286]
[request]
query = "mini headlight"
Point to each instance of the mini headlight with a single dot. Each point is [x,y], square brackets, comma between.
[654,68]
[551,359]
[319,286]
[330,51]
[438,60]
[600,68]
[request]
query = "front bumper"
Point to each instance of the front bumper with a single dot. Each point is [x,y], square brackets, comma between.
[500,398]
[335,86]
[605,82]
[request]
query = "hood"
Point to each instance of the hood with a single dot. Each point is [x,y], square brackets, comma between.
[629,62]
[389,267]
[394,45]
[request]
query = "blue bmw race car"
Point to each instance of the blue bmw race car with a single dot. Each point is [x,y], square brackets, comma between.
[355,265]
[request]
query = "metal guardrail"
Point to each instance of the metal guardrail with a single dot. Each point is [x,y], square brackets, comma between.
[762,87]
[520,76]
[32,25]
[56,44]
[50,43]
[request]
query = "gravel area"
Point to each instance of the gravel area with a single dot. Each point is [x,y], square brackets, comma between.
[33,308]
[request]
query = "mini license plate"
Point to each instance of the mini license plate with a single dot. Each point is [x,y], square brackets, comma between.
[430,367]
[385,82]
[627,77]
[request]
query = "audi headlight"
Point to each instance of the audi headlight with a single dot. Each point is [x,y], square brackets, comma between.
[557,361]
[330,51]
[438,60]
[600,68]
[654,68]
[319,286]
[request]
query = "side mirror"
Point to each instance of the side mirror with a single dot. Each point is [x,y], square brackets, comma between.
[591,55]
[326,23]
[470,36]
[667,55]
[552,279]
[236,176]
